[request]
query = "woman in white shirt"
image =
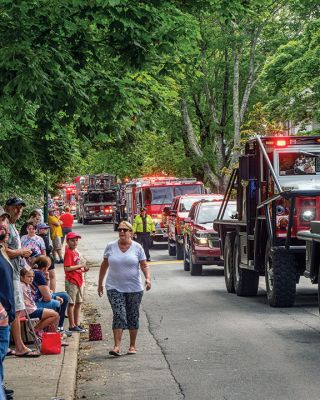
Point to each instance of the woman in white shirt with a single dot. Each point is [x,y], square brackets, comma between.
[123,259]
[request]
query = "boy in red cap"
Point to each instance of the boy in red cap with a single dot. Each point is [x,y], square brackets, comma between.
[74,281]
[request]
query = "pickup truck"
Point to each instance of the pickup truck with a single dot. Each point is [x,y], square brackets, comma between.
[201,241]
[178,211]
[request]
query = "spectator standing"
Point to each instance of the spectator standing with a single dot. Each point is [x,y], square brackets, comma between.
[34,217]
[56,235]
[74,270]
[33,242]
[123,260]
[17,255]
[7,308]
[143,226]
[43,233]
[67,222]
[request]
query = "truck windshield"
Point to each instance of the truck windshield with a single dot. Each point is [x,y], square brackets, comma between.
[209,212]
[165,194]
[100,197]
[299,163]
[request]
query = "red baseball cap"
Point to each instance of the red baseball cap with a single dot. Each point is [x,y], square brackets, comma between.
[72,235]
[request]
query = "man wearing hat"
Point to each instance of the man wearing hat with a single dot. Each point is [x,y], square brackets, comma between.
[14,207]
[142,227]
[43,229]
[7,310]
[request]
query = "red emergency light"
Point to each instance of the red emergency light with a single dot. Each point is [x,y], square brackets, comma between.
[281,143]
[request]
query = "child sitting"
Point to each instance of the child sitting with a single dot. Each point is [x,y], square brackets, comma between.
[47,317]
[74,281]
[43,297]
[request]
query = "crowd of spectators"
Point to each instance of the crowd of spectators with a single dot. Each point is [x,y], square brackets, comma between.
[28,281]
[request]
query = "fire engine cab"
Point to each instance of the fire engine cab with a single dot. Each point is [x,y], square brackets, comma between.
[156,193]
[277,187]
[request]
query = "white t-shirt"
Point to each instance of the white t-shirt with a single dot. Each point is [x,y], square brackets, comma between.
[124,272]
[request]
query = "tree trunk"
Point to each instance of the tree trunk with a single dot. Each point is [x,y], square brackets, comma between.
[194,146]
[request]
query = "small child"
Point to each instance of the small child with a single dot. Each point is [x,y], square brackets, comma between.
[74,281]
[47,317]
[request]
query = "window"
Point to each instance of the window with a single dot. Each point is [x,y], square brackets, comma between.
[298,163]
[187,189]
[209,212]
[158,195]
[100,197]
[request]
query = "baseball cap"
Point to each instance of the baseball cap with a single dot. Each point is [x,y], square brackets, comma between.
[42,225]
[72,235]
[3,213]
[15,201]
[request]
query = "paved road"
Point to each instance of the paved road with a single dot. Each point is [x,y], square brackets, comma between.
[198,342]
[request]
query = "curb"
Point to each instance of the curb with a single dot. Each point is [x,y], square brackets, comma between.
[66,385]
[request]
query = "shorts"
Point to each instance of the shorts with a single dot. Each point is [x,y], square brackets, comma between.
[37,313]
[56,242]
[18,296]
[75,293]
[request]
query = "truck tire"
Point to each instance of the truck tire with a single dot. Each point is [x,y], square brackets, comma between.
[179,251]
[228,261]
[280,275]
[171,249]
[186,264]
[195,269]
[246,282]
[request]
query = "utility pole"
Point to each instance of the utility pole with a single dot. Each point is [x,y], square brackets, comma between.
[46,198]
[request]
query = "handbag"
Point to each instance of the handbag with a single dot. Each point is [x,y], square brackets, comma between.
[95,332]
[51,343]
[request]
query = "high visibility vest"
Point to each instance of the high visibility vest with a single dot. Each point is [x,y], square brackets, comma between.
[138,224]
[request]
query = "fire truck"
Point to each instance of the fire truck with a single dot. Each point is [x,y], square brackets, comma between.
[96,197]
[69,195]
[277,186]
[156,193]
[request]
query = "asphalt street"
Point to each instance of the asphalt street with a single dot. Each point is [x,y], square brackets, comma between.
[196,341]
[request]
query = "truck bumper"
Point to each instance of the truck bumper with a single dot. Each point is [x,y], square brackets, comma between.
[207,256]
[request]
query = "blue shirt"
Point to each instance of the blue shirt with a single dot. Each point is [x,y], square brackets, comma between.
[6,287]
[124,272]
[38,280]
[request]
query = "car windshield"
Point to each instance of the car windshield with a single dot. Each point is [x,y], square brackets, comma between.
[209,212]
[165,194]
[186,204]
[100,197]
[299,163]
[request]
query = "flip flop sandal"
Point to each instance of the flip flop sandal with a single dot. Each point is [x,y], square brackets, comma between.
[10,353]
[132,352]
[29,354]
[114,353]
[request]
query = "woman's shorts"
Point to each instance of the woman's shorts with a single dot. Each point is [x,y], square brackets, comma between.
[125,307]
[75,293]
[37,313]
[56,242]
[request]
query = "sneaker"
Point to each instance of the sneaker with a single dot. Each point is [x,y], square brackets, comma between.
[82,328]
[56,261]
[76,329]
[61,261]
[9,392]
[64,331]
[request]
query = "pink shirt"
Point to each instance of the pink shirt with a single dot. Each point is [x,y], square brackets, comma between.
[28,298]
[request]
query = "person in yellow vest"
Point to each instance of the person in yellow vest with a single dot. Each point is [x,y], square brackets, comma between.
[143,226]
[56,235]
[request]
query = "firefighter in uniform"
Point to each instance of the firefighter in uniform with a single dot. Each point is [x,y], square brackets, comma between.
[143,226]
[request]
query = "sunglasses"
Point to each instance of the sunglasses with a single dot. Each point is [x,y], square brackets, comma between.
[124,230]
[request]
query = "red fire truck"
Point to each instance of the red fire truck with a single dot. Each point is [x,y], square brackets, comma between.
[156,193]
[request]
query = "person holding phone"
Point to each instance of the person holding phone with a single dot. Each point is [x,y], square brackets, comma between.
[123,259]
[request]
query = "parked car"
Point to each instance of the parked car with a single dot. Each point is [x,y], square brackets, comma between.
[178,211]
[201,241]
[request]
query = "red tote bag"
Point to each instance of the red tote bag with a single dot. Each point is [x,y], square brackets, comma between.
[95,332]
[51,343]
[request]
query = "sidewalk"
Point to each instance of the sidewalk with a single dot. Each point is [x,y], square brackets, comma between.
[48,376]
